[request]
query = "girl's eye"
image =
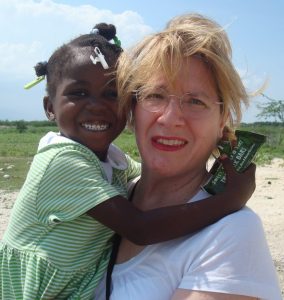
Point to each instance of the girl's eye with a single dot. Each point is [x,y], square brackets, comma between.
[78,93]
[111,95]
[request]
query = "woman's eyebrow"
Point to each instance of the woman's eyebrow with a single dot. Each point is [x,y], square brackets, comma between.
[199,95]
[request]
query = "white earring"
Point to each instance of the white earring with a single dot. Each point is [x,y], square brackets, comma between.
[51,117]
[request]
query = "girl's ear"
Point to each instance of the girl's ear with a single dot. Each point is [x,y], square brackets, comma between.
[48,108]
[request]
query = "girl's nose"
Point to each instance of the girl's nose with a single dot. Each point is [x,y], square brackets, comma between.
[95,101]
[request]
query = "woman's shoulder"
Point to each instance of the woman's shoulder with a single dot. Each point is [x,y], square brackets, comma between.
[243,227]
[238,227]
[245,220]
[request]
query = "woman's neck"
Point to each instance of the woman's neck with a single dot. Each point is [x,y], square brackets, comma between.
[154,190]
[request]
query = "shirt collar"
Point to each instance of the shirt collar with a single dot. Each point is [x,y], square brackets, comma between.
[115,157]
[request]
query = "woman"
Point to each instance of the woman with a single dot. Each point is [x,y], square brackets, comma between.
[182,90]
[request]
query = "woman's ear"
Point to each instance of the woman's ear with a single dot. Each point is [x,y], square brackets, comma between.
[222,125]
[48,108]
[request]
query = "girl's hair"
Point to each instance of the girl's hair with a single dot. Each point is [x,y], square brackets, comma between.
[164,52]
[61,60]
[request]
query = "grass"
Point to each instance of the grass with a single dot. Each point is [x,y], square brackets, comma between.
[17,149]
[126,141]
[16,168]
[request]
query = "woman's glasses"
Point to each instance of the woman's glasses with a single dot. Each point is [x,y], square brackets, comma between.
[157,100]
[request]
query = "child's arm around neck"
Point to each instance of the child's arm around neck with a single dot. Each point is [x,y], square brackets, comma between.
[162,224]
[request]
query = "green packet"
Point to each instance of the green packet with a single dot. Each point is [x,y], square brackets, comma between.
[241,155]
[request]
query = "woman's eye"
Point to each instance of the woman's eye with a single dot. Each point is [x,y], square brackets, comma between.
[196,102]
[154,96]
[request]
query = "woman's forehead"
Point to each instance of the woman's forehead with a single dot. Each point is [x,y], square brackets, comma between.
[189,66]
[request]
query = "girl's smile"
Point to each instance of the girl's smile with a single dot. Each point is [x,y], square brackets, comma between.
[96,127]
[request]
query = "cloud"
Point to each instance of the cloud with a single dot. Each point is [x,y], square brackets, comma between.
[16,60]
[31,30]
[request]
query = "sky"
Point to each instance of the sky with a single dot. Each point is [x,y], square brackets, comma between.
[31,30]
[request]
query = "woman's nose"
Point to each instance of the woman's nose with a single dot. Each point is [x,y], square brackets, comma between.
[172,115]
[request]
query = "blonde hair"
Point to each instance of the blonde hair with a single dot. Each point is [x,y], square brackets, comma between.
[164,53]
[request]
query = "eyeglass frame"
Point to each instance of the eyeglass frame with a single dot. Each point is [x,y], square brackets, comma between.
[169,96]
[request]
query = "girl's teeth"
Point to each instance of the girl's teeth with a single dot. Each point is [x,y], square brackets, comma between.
[170,142]
[95,127]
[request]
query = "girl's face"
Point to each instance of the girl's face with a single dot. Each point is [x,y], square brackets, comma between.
[174,141]
[85,107]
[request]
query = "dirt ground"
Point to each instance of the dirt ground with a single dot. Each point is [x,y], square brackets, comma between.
[267,201]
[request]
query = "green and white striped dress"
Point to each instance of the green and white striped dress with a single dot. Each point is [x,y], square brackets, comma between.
[51,248]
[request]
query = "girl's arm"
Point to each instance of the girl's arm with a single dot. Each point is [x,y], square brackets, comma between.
[162,224]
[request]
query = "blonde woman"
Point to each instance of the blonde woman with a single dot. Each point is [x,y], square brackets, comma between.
[181,89]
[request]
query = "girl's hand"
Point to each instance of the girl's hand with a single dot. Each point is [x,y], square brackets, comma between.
[239,186]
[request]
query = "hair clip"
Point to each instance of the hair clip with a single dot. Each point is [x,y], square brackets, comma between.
[99,58]
[34,82]
[117,41]
[95,31]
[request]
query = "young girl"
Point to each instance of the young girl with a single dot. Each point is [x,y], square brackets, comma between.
[58,240]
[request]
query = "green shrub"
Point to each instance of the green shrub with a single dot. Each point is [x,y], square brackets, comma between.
[21,126]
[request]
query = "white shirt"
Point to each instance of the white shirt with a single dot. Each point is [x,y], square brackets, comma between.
[231,256]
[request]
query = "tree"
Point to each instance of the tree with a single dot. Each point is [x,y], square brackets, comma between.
[272,109]
[21,126]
